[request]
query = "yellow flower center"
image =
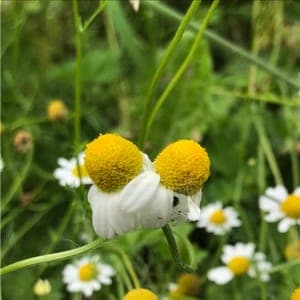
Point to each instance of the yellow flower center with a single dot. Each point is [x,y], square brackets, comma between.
[57,110]
[218,217]
[291,206]
[239,265]
[83,171]
[88,272]
[112,161]
[140,294]
[183,166]
[296,294]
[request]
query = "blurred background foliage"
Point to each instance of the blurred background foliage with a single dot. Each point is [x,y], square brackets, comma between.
[216,103]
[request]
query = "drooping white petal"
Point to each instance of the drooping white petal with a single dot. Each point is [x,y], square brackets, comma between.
[274,216]
[139,191]
[220,275]
[157,213]
[100,203]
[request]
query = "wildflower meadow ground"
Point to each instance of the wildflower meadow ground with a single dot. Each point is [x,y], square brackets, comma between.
[150,150]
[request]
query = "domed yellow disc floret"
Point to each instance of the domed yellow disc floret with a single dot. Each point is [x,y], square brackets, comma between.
[296,294]
[183,166]
[112,161]
[140,294]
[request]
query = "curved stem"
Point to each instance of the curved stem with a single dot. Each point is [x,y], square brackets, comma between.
[174,251]
[127,264]
[169,52]
[51,257]
[181,69]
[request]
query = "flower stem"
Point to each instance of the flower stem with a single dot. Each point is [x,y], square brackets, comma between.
[51,257]
[268,151]
[285,266]
[127,264]
[169,52]
[181,69]
[174,251]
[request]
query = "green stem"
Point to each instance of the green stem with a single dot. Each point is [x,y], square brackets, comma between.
[181,69]
[253,59]
[164,61]
[18,181]
[285,266]
[63,255]
[258,98]
[23,230]
[60,230]
[268,151]
[174,251]
[127,264]
[295,167]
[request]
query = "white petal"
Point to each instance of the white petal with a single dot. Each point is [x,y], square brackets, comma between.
[297,191]
[279,192]
[267,204]
[157,213]
[274,216]
[194,210]
[220,275]
[139,191]
[180,208]
[285,224]
[64,163]
[147,163]
[100,204]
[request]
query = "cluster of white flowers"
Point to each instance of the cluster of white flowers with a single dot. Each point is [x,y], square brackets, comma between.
[240,259]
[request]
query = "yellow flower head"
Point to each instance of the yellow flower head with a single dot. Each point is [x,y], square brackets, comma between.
[112,161]
[140,294]
[239,265]
[189,284]
[57,110]
[292,250]
[296,294]
[183,166]
[42,287]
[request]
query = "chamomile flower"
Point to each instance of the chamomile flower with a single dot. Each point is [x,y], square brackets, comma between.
[87,275]
[281,206]
[177,175]
[218,220]
[67,173]
[240,259]
[296,294]
[119,202]
[140,294]
[57,110]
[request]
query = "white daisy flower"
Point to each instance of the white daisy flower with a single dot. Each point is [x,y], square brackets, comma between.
[218,220]
[240,259]
[119,202]
[67,174]
[87,275]
[281,206]
[176,176]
